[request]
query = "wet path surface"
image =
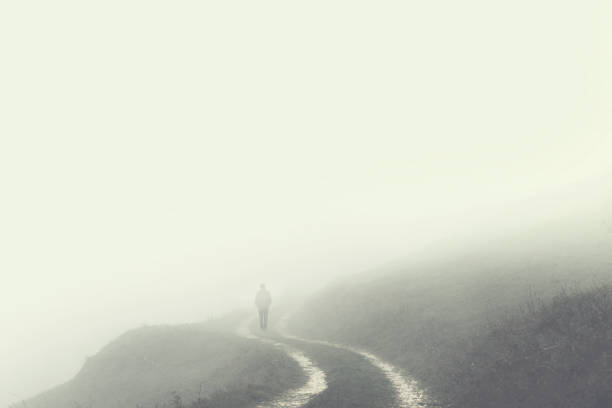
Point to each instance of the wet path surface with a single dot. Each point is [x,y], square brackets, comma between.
[297,397]
[406,391]
[352,381]
[338,375]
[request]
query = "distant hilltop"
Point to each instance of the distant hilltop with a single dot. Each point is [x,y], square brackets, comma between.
[154,367]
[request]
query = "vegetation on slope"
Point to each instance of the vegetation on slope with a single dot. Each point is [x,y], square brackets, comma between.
[472,333]
[172,366]
[548,354]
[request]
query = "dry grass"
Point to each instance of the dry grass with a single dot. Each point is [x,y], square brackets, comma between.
[479,340]
[173,366]
[547,354]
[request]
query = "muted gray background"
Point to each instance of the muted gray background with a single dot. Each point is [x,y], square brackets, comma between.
[158,160]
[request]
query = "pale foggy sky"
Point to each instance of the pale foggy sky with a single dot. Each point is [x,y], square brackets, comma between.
[159,159]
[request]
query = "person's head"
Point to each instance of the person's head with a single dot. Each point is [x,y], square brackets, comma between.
[262,286]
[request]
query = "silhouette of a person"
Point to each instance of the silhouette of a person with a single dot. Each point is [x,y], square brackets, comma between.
[263,301]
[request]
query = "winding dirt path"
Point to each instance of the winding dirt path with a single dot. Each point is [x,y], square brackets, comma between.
[408,393]
[296,397]
[358,377]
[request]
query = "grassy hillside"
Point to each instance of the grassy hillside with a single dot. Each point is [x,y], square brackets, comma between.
[488,329]
[549,354]
[172,366]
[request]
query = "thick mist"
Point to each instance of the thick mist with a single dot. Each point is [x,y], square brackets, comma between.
[159,160]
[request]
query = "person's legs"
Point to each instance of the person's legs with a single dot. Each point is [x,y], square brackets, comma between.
[261,318]
[265,319]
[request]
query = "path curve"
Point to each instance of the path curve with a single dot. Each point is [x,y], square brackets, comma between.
[296,397]
[409,394]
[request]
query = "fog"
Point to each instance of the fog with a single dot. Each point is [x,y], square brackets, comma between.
[159,160]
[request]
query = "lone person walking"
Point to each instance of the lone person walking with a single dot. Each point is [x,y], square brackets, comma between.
[263,301]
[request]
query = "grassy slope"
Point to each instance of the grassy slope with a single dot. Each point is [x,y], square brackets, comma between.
[435,320]
[550,354]
[162,365]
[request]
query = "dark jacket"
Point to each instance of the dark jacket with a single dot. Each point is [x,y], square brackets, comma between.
[263,299]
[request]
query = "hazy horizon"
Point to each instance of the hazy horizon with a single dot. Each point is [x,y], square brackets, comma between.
[160,160]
